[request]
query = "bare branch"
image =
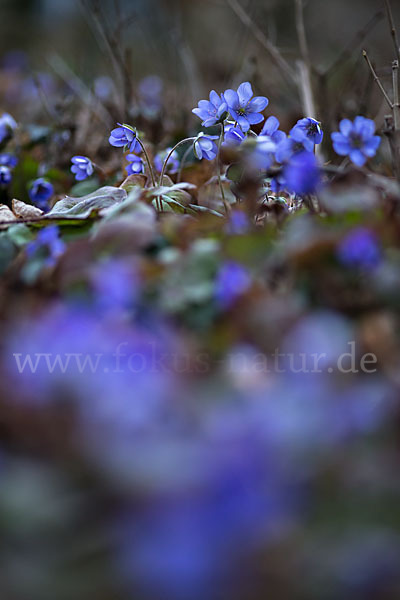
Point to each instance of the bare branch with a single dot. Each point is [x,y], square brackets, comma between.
[378,81]
[305,81]
[393,30]
[396,105]
[355,42]
[287,71]
[80,89]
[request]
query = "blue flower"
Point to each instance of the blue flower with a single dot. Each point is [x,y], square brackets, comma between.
[150,92]
[5,175]
[233,136]
[125,135]
[8,160]
[262,156]
[302,174]
[49,240]
[311,131]
[135,164]
[278,183]
[205,147]
[232,281]
[271,129]
[356,140]
[82,167]
[211,111]
[173,163]
[238,223]
[359,248]
[245,109]
[7,126]
[289,146]
[40,193]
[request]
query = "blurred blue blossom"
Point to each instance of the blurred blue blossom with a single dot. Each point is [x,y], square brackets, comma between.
[40,193]
[302,174]
[135,164]
[104,88]
[8,160]
[150,92]
[356,140]
[82,167]
[262,156]
[233,136]
[243,108]
[360,248]
[173,163]
[232,281]
[7,127]
[311,131]
[238,223]
[49,240]
[5,175]
[289,146]
[271,129]
[205,146]
[115,285]
[125,135]
[211,111]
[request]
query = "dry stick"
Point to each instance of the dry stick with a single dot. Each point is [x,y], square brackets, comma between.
[111,43]
[305,83]
[393,30]
[285,68]
[396,118]
[355,42]
[377,80]
[396,105]
[80,89]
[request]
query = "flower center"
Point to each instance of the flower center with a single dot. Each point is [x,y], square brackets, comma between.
[356,141]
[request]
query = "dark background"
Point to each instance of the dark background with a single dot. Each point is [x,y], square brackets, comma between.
[194,43]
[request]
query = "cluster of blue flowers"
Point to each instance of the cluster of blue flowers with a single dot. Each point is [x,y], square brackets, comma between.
[237,111]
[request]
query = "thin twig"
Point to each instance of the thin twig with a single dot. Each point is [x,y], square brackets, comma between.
[396,105]
[301,32]
[304,65]
[377,80]
[51,111]
[393,30]
[111,41]
[355,42]
[61,68]
[285,68]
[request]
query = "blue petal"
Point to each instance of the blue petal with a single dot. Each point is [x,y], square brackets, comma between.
[358,158]
[244,123]
[245,93]
[372,145]
[270,126]
[346,127]
[254,118]
[257,104]
[214,98]
[341,144]
[232,99]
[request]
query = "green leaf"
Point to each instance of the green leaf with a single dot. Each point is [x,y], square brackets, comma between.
[20,234]
[87,206]
[83,188]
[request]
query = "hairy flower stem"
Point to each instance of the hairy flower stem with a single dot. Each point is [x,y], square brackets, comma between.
[219,166]
[183,162]
[153,179]
[164,167]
